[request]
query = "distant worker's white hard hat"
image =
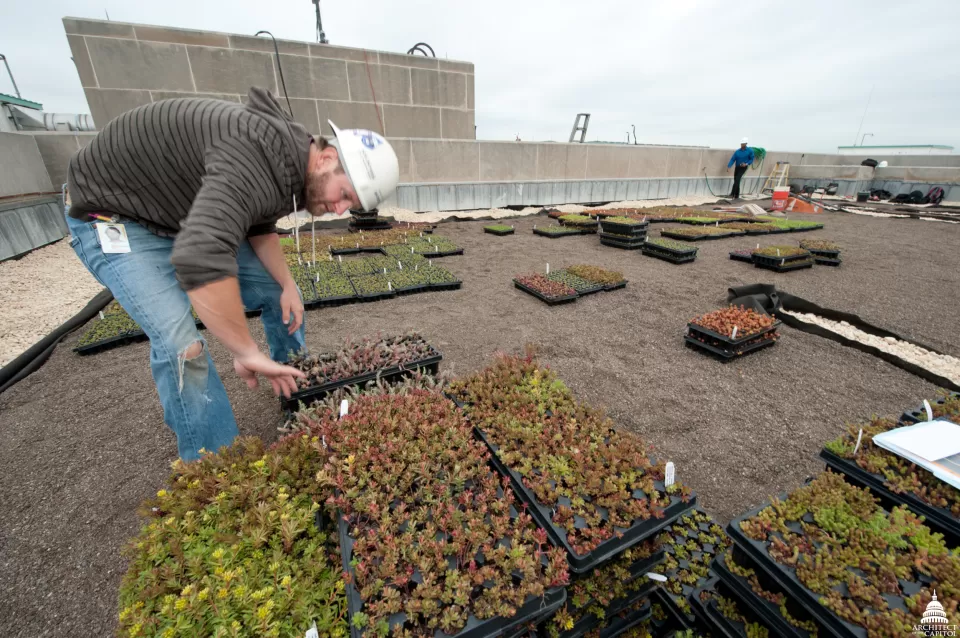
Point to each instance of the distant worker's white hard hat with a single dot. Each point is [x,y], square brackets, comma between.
[744,141]
[370,163]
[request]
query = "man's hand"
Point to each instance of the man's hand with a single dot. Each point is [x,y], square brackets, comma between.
[292,308]
[282,378]
[728,169]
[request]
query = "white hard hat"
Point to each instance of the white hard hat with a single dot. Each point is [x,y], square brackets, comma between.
[744,141]
[370,163]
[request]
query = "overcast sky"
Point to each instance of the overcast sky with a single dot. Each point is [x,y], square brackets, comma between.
[793,76]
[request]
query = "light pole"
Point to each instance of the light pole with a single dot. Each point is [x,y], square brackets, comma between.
[10,73]
[865,137]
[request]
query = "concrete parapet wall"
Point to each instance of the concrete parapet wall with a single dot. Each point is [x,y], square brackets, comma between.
[122,66]
[21,167]
[30,224]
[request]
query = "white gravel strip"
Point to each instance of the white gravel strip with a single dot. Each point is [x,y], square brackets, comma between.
[405,215]
[40,292]
[941,364]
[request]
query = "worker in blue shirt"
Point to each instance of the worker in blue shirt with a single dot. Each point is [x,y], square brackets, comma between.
[743,158]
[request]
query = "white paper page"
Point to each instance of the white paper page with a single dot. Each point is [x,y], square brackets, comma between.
[931,441]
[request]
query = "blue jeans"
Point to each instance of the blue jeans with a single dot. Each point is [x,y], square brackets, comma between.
[195,404]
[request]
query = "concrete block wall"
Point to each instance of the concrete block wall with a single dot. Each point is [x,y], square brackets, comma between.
[122,66]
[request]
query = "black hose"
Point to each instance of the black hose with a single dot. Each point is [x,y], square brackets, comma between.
[38,353]
[276,50]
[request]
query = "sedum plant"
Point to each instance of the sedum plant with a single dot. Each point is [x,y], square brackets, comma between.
[436,538]
[567,278]
[231,548]
[695,539]
[819,244]
[594,478]
[898,474]
[329,406]
[781,251]
[748,226]
[363,356]
[747,321]
[558,230]
[577,220]
[596,274]
[545,286]
[115,323]
[699,231]
[670,244]
[859,559]
[498,228]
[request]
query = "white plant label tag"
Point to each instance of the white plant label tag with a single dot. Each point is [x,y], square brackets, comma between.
[101,314]
[400,264]
[299,260]
[929,410]
[312,632]
[384,270]
[430,261]
[668,474]
[778,252]
[318,277]
[344,408]
[389,286]
[548,269]
[733,335]
[660,578]
[859,438]
[340,258]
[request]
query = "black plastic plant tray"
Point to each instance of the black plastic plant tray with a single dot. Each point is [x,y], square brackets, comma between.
[620,626]
[328,302]
[727,341]
[788,582]
[673,251]
[766,260]
[550,301]
[919,414]
[677,617]
[636,241]
[616,286]
[831,254]
[111,342]
[429,364]
[666,256]
[728,355]
[767,612]
[621,246]
[580,563]
[826,261]
[939,519]
[589,622]
[438,254]
[410,290]
[344,251]
[723,627]
[447,285]
[542,233]
[376,296]
[787,267]
[624,229]
[475,628]
[745,258]
[499,233]
[760,231]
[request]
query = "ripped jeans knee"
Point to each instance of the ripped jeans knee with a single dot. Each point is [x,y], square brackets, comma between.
[192,366]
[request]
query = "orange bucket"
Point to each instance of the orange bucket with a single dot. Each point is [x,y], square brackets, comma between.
[780,195]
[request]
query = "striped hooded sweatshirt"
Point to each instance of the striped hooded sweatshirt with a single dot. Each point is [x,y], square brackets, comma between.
[205,172]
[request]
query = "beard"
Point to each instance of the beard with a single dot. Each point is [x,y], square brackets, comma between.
[316,188]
